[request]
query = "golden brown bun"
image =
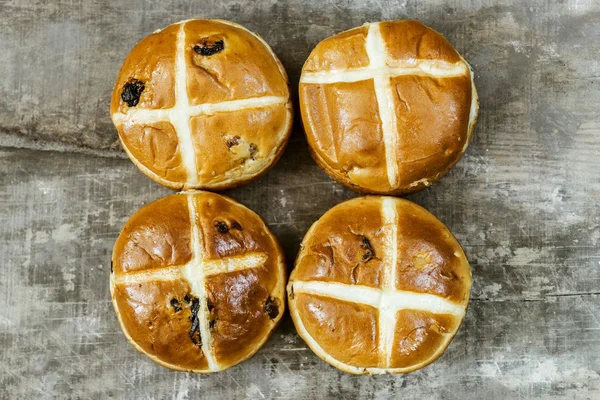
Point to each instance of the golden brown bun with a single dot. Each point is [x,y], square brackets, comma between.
[197,282]
[380,285]
[202,104]
[388,107]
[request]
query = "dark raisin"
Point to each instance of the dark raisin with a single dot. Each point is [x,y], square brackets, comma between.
[194,333]
[212,323]
[271,307]
[209,47]
[175,304]
[368,255]
[210,305]
[253,150]
[236,225]
[132,91]
[369,252]
[365,244]
[187,298]
[234,141]
[221,227]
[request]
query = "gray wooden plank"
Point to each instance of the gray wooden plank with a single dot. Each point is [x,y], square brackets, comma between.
[528,332]
[61,58]
[523,202]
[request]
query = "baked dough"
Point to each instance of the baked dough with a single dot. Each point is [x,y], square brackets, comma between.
[197,282]
[380,286]
[387,107]
[202,104]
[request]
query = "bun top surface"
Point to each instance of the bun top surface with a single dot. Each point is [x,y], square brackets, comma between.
[380,285]
[202,104]
[387,107]
[197,281]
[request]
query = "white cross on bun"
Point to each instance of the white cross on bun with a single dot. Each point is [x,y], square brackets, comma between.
[380,286]
[388,107]
[197,282]
[202,104]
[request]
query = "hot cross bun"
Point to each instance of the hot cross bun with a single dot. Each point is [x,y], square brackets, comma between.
[202,104]
[380,286]
[197,282]
[388,107]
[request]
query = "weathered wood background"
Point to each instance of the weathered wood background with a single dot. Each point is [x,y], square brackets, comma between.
[523,201]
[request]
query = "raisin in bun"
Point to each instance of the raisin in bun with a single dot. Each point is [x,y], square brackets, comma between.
[380,286]
[197,282]
[388,107]
[202,104]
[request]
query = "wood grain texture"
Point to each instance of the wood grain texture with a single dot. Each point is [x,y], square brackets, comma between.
[523,202]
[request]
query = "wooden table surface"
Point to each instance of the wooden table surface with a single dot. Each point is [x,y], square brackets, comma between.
[523,201]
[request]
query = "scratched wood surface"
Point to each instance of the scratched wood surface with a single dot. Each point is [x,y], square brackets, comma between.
[523,202]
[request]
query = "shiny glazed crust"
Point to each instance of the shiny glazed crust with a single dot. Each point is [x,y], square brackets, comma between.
[360,314]
[197,282]
[388,107]
[214,111]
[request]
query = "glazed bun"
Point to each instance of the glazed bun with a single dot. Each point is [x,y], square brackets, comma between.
[202,104]
[197,282]
[388,107]
[380,286]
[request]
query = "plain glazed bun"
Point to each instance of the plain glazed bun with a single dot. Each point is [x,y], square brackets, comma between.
[197,282]
[202,104]
[388,107]
[380,286]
